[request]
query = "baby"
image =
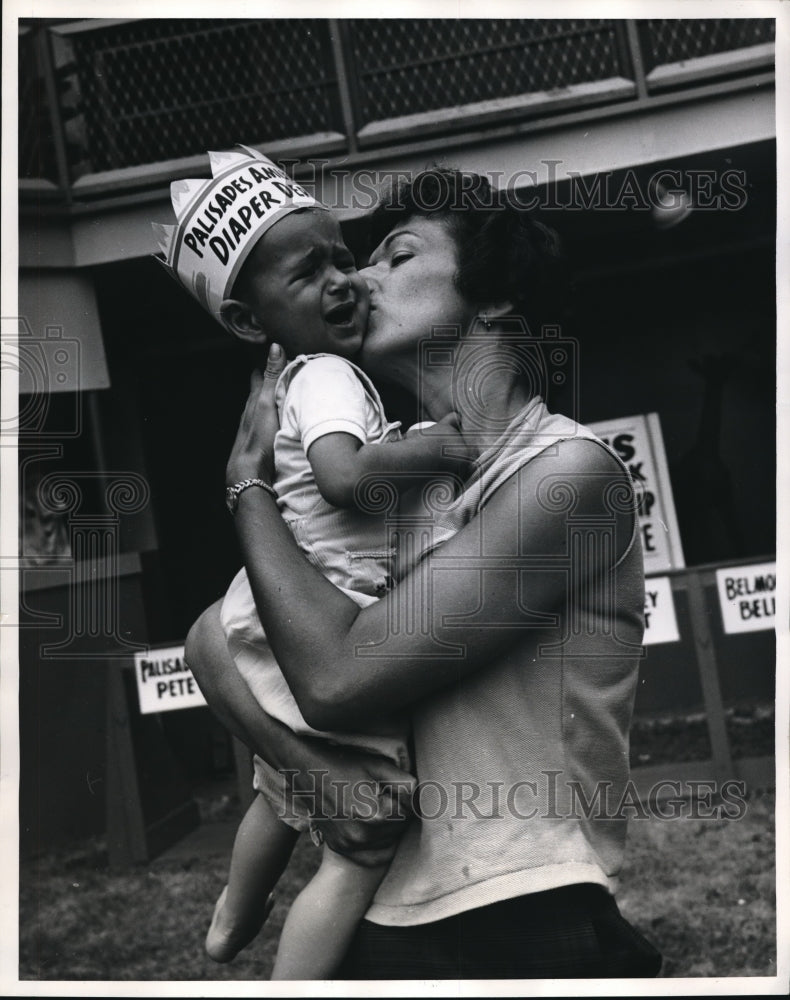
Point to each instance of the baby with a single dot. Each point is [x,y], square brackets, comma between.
[292,281]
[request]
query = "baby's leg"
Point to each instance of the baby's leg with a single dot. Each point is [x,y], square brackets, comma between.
[323,918]
[261,851]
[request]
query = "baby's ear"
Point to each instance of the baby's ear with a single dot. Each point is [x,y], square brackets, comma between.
[242,321]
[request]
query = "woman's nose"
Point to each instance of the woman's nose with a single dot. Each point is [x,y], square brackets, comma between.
[368,275]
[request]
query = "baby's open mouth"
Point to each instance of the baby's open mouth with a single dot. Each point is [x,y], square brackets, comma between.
[341,315]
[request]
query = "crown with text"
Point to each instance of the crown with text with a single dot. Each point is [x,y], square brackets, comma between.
[219,220]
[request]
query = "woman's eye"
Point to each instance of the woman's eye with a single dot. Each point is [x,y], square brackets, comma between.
[400,257]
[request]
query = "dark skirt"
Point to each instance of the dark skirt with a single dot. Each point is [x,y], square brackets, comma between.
[568,933]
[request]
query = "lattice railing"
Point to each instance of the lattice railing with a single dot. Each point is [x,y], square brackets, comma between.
[672,41]
[403,71]
[117,99]
[161,90]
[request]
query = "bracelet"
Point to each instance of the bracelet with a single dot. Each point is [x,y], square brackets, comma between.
[232,493]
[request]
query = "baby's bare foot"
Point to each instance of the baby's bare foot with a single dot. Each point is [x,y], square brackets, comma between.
[227,936]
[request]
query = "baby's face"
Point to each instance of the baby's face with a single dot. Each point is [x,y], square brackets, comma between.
[307,292]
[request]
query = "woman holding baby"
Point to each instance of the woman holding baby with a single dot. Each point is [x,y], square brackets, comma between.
[511,639]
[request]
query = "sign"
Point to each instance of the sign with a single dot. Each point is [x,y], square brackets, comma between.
[220,220]
[638,442]
[747,597]
[164,681]
[661,625]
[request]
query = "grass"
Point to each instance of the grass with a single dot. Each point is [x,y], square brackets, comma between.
[702,890]
[750,732]
[81,920]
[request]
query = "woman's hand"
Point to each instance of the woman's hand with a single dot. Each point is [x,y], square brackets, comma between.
[252,455]
[359,803]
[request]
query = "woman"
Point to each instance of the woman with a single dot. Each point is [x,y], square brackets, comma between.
[513,634]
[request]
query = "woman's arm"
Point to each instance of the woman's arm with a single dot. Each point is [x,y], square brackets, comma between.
[327,779]
[507,573]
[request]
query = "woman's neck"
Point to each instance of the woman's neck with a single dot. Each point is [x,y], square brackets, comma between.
[486,391]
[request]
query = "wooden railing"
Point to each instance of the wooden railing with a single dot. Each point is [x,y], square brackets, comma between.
[706,631]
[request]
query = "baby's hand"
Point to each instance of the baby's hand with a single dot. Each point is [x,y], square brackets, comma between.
[446,437]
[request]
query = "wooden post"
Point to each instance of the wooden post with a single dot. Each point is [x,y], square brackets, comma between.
[343,83]
[635,50]
[126,841]
[709,676]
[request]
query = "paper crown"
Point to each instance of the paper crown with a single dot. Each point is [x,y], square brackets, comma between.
[219,221]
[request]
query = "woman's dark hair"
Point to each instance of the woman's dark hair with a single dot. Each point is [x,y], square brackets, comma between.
[504,253]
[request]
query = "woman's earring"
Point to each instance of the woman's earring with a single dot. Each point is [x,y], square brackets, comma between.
[486,322]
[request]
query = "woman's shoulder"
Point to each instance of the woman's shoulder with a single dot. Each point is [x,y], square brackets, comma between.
[576,444]
[543,443]
[584,467]
[588,452]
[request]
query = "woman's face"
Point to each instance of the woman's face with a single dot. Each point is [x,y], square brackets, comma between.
[411,276]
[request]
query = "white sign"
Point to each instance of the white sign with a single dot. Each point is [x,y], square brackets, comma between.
[164,681]
[661,625]
[747,596]
[638,442]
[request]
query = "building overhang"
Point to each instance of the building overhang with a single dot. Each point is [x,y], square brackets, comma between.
[90,234]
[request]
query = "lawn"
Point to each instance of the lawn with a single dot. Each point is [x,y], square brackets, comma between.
[702,890]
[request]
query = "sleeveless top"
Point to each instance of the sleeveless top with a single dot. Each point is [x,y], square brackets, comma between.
[512,761]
